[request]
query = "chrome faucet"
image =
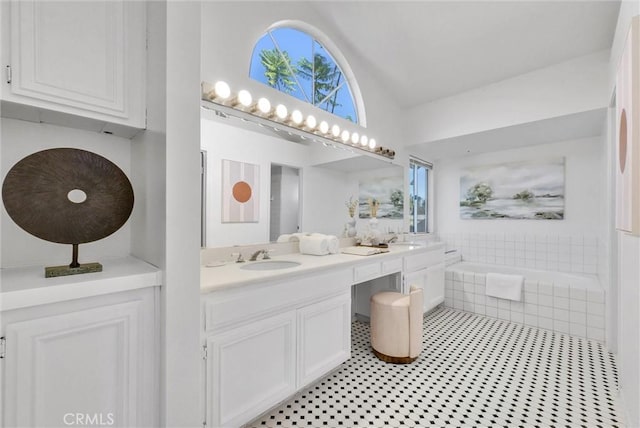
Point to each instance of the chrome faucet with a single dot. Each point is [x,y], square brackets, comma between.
[265,255]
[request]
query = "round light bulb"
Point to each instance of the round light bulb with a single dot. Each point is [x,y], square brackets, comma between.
[355,138]
[323,127]
[311,122]
[264,105]
[372,143]
[296,117]
[335,131]
[244,98]
[345,136]
[364,140]
[222,90]
[281,112]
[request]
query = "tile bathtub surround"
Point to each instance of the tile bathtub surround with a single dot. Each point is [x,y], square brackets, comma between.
[577,253]
[556,307]
[473,372]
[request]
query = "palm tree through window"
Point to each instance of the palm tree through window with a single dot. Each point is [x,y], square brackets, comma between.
[295,63]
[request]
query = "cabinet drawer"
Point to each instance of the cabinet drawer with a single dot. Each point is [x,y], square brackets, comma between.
[236,306]
[423,260]
[392,266]
[415,262]
[365,272]
[435,257]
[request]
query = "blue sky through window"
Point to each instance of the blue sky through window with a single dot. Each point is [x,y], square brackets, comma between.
[320,82]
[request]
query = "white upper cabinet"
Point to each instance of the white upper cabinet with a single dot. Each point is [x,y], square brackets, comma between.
[82,58]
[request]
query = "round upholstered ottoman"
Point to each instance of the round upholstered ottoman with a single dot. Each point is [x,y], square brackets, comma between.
[396,325]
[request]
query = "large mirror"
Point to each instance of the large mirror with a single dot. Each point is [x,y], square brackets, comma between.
[292,185]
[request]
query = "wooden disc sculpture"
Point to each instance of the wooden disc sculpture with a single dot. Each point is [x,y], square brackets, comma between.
[68,196]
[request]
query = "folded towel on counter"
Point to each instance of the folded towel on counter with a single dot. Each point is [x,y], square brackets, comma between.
[284,238]
[290,237]
[314,245]
[295,237]
[364,251]
[505,286]
[334,244]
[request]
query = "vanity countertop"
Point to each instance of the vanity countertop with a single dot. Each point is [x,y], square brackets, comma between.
[230,274]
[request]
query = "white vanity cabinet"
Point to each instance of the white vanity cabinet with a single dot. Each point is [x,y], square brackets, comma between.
[249,369]
[263,342]
[89,359]
[426,270]
[324,337]
[66,59]
[434,289]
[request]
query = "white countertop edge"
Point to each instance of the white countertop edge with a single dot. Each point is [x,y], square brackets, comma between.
[26,287]
[231,276]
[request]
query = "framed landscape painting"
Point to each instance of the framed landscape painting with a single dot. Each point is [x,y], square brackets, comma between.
[387,192]
[532,190]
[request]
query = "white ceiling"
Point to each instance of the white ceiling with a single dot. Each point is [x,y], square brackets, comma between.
[570,127]
[425,50]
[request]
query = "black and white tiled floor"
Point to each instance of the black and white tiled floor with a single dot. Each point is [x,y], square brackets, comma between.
[474,371]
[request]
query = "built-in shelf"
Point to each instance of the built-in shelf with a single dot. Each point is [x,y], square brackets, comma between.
[26,287]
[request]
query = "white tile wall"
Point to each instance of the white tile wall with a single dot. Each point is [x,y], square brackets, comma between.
[576,253]
[558,307]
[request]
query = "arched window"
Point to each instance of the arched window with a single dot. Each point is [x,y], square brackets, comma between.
[296,63]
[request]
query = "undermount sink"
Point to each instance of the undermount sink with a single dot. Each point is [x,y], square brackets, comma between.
[270,265]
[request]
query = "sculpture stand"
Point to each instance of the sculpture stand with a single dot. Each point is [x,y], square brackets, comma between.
[74,268]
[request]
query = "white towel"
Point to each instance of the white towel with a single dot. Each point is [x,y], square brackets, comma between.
[295,237]
[285,238]
[334,244]
[505,286]
[314,245]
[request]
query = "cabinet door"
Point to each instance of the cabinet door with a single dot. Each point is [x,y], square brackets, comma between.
[87,364]
[250,369]
[324,337]
[82,58]
[434,290]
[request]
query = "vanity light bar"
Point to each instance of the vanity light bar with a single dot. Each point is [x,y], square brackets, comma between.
[242,106]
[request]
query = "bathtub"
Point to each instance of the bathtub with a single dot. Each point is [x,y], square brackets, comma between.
[558,301]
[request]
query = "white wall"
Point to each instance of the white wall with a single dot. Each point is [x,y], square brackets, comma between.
[148,149]
[625,257]
[629,325]
[573,86]
[584,174]
[181,406]
[628,9]
[324,193]
[20,139]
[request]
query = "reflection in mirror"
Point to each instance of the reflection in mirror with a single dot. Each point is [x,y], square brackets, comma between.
[285,201]
[326,178]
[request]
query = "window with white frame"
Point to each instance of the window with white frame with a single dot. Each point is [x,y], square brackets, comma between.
[419,172]
[296,63]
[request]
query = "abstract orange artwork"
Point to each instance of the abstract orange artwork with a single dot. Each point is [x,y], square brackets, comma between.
[240,190]
[628,135]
